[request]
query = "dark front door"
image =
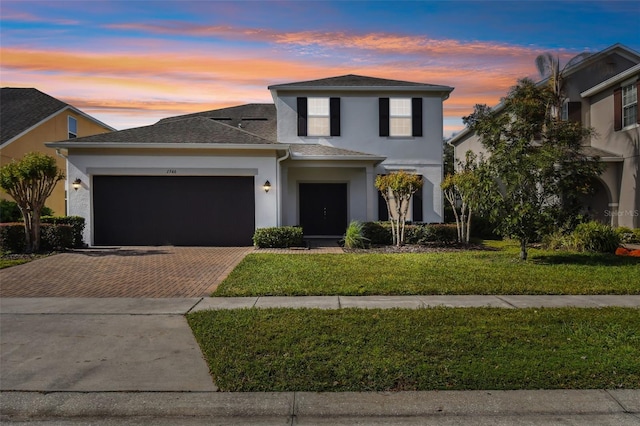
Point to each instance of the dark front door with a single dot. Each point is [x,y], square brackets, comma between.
[323,208]
[173,210]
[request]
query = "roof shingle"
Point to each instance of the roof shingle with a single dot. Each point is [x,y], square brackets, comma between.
[22,108]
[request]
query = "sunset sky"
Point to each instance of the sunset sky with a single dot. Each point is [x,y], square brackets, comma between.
[131,63]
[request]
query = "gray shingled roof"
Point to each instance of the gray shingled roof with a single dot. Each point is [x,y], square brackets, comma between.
[311,151]
[259,119]
[352,80]
[21,109]
[188,130]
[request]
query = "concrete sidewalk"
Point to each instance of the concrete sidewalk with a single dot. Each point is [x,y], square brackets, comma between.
[135,361]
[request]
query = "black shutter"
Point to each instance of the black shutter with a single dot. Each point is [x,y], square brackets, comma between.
[617,109]
[302,116]
[575,112]
[383,110]
[334,114]
[416,116]
[417,207]
[383,211]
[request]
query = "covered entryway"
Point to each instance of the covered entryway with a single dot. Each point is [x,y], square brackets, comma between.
[323,208]
[173,210]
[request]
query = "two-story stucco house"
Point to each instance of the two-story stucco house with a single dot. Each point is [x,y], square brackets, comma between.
[602,93]
[28,119]
[309,159]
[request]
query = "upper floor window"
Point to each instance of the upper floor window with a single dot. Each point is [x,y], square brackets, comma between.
[629,105]
[318,116]
[625,106]
[400,117]
[72,125]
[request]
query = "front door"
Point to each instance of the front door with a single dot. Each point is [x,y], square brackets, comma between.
[323,208]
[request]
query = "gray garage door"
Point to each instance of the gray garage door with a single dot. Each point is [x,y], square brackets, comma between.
[173,210]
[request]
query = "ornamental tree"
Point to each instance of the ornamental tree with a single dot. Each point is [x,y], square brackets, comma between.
[30,181]
[397,188]
[461,190]
[535,169]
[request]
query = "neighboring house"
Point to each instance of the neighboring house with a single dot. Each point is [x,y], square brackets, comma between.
[28,119]
[602,93]
[309,159]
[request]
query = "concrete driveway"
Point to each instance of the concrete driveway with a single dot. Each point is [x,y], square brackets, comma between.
[124,272]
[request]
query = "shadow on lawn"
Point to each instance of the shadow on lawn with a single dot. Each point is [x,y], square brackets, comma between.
[588,259]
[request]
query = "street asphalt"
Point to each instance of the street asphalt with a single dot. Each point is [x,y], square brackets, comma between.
[108,361]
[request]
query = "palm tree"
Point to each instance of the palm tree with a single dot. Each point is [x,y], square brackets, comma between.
[549,68]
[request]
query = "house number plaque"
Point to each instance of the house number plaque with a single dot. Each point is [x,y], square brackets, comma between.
[172,171]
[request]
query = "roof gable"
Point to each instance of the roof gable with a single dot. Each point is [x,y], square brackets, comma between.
[21,109]
[259,119]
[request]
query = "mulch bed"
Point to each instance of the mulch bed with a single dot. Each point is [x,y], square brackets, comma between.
[427,248]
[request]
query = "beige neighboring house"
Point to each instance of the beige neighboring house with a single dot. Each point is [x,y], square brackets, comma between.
[28,119]
[602,93]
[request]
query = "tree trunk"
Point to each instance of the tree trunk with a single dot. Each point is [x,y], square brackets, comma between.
[35,230]
[468,227]
[523,249]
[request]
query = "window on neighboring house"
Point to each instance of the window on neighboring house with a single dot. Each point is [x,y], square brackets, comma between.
[318,116]
[72,125]
[625,109]
[400,117]
[629,105]
[564,114]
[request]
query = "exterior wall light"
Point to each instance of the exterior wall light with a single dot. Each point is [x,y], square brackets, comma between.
[266,186]
[76,184]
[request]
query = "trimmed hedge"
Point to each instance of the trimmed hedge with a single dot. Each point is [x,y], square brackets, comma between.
[379,233]
[52,237]
[77,224]
[278,237]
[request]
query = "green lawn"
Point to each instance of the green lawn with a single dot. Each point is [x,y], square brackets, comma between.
[464,272]
[425,349]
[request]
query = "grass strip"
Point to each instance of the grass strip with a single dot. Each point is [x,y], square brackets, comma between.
[425,349]
[464,272]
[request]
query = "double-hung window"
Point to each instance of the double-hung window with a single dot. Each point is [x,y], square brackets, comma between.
[625,106]
[72,126]
[318,117]
[629,105]
[400,117]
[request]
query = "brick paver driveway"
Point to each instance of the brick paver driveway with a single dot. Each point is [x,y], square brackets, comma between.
[123,272]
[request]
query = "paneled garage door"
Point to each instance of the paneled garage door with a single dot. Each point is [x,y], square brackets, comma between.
[173,210]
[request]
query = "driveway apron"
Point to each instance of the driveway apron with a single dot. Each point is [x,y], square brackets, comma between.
[123,272]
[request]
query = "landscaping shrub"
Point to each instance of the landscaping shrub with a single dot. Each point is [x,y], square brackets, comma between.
[483,228]
[10,212]
[56,236]
[77,224]
[378,233]
[443,233]
[595,237]
[12,237]
[353,237]
[278,237]
[628,235]
[52,237]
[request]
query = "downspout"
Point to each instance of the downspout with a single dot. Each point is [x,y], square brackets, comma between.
[279,187]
